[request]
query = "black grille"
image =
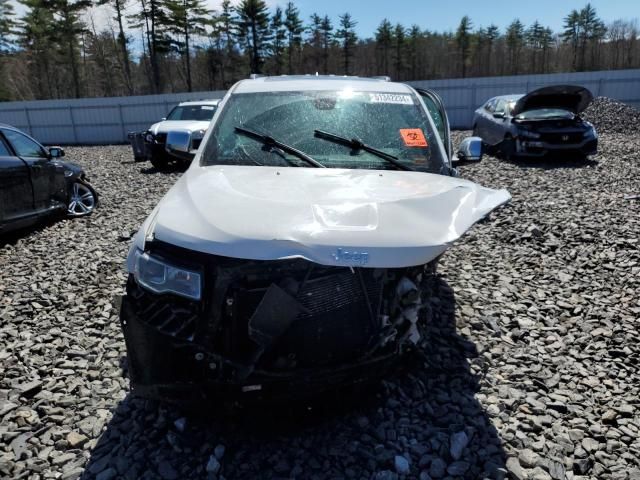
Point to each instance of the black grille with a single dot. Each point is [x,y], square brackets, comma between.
[563,138]
[166,313]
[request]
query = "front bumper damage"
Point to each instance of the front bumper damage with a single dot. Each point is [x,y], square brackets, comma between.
[269,328]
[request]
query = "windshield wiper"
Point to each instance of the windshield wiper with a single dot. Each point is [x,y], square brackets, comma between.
[358,145]
[272,142]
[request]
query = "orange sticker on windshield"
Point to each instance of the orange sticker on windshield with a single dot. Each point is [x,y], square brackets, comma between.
[413,137]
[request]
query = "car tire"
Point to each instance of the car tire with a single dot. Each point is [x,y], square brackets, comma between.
[507,148]
[83,199]
[159,162]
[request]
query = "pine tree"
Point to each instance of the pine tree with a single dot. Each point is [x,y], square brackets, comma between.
[188,19]
[119,7]
[463,42]
[327,39]
[315,40]
[348,38]
[415,39]
[69,28]
[294,33]
[279,32]
[153,20]
[514,39]
[7,30]
[384,43]
[228,35]
[399,40]
[7,25]
[253,25]
[572,34]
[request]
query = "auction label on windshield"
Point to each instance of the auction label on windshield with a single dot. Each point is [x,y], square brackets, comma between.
[413,137]
[396,98]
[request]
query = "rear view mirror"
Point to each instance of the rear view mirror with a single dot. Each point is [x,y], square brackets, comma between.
[469,151]
[56,152]
[178,141]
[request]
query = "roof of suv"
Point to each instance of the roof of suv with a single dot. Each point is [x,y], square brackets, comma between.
[201,102]
[289,83]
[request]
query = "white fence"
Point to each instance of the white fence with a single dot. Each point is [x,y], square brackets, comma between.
[92,121]
[99,121]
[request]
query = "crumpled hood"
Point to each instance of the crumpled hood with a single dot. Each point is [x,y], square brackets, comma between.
[329,216]
[573,98]
[189,125]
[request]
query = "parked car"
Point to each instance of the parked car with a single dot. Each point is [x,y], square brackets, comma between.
[289,256]
[189,121]
[546,120]
[34,182]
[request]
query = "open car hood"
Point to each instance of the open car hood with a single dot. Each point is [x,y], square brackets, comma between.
[568,97]
[367,218]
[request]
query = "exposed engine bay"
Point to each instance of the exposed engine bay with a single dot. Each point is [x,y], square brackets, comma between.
[279,319]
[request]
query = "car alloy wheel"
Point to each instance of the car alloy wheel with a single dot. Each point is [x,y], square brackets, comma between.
[82,201]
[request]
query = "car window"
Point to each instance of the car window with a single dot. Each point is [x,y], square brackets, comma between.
[192,112]
[500,106]
[24,146]
[393,122]
[490,105]
[4,150]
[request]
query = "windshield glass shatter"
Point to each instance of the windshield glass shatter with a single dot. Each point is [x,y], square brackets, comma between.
[395,124]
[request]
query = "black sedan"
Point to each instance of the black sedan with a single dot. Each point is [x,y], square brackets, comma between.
[546,120]
[35,183]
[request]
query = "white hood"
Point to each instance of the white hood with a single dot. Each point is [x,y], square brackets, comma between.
[167,125]
[329,216]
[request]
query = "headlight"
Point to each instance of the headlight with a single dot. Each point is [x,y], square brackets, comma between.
[591,132]
[528,134]
[160,277]
[198,135]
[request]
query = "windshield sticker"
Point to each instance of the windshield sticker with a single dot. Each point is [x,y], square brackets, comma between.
[207,107]
[391,98]
[413,137]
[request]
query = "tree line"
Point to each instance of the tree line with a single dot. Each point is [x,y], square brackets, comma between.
[57,50]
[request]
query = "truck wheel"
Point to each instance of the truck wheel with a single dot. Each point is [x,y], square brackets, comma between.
[159,162]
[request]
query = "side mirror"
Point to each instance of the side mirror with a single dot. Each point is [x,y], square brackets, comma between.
[178,141]
[56,152]
[498,114]
[469,151]
[163,119]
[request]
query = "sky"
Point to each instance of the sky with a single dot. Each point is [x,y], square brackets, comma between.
[443,15]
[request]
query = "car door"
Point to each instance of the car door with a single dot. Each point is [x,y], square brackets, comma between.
[484,119]
[498,126]
[47,177]
[16,192]
[438,114]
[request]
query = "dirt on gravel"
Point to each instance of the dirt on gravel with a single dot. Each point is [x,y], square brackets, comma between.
[531,369]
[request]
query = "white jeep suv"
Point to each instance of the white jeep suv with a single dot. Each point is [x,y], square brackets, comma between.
[291,254]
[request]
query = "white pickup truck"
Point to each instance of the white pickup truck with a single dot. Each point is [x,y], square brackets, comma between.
[189,121]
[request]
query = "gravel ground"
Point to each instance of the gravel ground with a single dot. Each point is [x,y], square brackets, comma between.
[532,368]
